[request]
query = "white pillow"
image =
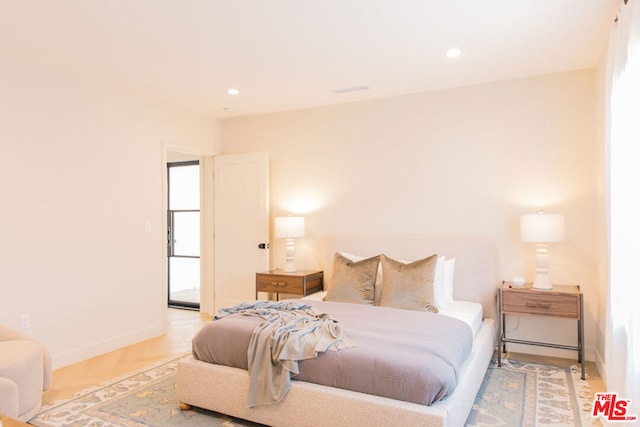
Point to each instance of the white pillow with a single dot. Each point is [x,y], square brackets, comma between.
[449,271]
[443,282]
[438,283]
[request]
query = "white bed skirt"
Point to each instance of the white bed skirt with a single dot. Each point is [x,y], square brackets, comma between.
[225,390]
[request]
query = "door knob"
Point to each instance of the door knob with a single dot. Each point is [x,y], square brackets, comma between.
[263,246]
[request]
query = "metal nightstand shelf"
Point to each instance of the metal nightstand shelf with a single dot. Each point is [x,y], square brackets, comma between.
[564,301]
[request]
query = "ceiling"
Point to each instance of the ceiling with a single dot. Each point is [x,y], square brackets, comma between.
[292,54]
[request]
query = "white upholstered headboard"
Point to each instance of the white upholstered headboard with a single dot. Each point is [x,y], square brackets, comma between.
[476,269]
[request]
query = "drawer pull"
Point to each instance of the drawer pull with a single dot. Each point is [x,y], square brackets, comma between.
[538,304]
[279,284]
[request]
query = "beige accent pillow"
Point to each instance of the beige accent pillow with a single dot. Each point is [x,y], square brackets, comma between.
[408,286]
[353,281]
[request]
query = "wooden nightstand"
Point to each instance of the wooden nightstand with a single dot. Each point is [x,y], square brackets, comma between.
[564,301]
[302,282]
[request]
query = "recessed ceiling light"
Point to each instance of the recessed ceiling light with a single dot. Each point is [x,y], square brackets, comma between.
[233,91]
[352,89]
[454,52]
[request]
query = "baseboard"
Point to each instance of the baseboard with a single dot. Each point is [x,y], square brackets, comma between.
[66,358]
[602,368]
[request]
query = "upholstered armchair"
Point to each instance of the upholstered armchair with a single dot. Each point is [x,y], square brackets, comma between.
[25,372]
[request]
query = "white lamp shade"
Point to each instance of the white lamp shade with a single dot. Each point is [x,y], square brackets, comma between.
[289,227]
[542,228]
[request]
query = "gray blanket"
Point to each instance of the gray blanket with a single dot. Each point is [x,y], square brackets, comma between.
[290,332]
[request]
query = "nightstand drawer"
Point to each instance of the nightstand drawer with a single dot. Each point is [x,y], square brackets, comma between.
[302,282]
[277,283]
[555,305]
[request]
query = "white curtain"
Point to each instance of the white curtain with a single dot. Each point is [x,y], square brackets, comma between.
[622,359]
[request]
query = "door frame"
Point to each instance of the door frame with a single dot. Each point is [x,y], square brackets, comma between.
[171,229]
[205,157]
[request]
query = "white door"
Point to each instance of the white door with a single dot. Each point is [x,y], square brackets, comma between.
[241,225]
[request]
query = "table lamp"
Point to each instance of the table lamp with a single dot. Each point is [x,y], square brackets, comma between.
[542,228]
[290,227]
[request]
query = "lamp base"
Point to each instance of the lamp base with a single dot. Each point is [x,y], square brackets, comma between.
[290,266]
[542,268]
[542,282]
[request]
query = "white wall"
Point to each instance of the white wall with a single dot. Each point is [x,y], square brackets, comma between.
[468,160]
[81,205]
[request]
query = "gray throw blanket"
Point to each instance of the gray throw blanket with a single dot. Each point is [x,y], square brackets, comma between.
[291,332]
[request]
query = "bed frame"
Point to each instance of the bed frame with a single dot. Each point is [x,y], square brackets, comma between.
[224,389]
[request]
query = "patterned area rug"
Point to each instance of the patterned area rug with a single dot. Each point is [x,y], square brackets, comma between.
[146,397]
[528,394]
[517,394]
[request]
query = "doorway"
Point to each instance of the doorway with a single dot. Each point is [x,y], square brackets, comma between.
[183,234]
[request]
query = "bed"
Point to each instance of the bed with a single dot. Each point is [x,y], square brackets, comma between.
[225,389]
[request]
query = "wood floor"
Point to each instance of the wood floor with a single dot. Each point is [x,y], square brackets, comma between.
[183,324]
